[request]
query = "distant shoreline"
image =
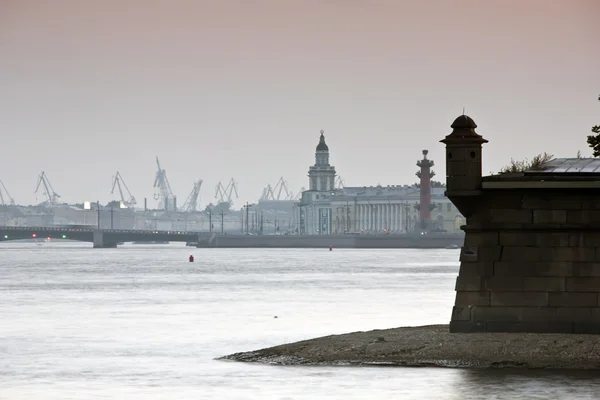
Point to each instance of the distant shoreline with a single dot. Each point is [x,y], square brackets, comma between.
[433,345]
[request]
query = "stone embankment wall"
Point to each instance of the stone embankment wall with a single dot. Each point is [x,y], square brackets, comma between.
[337,241]
[530,263]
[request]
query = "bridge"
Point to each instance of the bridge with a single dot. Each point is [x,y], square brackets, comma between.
[101,238]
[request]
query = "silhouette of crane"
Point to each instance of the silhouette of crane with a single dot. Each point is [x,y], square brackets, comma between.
[11,201]
[119,183]
[49,192]
[162,189]
[274,193]
[224,194]
[191,204]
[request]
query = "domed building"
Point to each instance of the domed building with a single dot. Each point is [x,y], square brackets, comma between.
[325,209]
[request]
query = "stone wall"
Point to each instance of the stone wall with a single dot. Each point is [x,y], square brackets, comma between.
[530,263]
[337,241]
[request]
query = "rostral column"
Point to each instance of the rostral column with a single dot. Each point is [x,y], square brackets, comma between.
[425,174]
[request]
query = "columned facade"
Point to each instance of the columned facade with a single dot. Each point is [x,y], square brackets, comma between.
[388,210]
[325,210]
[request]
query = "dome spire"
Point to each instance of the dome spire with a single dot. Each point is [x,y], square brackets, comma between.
[322,146]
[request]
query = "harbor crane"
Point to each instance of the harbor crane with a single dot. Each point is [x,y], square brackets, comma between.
[119,183]
[49,192]
[224,194]
[274,193]
[191,204]
[280,187]
[299,195]
[267,193]
[11,201]
[162,189]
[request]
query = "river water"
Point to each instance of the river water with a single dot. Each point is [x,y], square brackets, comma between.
[141,322]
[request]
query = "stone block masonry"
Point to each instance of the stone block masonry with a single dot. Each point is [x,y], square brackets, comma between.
[542,277]
[531,256]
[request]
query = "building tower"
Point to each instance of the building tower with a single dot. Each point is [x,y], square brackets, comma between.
[464,189]
[425,174]
[463,164]
[321,176]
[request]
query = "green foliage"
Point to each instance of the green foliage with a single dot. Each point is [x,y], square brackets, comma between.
[537,163]
[594,140]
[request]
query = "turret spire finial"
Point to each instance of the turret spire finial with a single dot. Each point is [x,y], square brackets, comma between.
[322,145]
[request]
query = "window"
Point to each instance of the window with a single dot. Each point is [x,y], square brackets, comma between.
[449,207]
[458,222]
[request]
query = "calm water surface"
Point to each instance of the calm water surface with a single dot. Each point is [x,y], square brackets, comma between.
[140,322]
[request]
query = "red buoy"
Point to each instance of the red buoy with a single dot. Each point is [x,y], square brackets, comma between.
[191,258]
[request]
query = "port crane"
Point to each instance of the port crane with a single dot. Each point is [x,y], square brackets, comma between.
[299,195]
[119,183]
[280,187]
[49,192]
[274,193]
[191,204]
[224,194]
[267,193]
[11,201]
[162,189]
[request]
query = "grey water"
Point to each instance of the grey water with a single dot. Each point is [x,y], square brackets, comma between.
[141,322]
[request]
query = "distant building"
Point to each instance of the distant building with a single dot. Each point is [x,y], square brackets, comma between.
[325,210]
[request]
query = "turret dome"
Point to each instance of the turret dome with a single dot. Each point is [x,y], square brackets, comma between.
[463,130]
[322,146]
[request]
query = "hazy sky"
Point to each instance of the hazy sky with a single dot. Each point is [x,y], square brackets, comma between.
[220,89]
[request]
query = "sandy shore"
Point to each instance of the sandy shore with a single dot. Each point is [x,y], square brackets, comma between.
[433,345]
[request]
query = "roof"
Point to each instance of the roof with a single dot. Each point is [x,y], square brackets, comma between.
[322,146]
[563,173]
[394,191]
[569,166]
[463,131]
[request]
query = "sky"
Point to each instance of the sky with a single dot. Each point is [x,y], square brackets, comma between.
[221,89]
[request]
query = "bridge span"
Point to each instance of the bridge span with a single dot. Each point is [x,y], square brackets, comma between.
[101,238]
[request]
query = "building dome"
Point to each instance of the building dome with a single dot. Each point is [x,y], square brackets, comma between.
[463,122]
[463,130]
[322,146]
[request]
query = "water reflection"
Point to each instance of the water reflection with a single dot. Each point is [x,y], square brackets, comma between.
[531,384]
[135,322]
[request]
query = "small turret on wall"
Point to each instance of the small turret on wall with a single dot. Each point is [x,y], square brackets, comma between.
[463,164]
[531,255]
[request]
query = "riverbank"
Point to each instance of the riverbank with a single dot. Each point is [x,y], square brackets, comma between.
[433,345]
[394,241]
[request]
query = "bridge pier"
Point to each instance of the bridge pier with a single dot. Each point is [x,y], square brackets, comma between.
[205,240]
[99,242]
